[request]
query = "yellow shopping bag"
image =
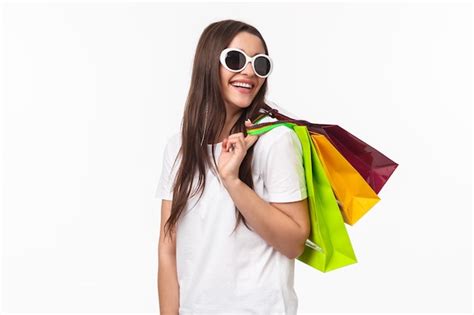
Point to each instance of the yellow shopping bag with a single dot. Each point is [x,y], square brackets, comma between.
[354,194]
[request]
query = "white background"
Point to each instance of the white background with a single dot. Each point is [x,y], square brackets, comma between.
[90,93]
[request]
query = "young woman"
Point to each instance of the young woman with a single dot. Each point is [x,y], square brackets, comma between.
[231,229]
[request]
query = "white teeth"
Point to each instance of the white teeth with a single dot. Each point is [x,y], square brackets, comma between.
[241,84]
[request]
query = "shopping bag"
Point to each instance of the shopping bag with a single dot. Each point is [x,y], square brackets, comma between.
[371,164]
[328,246]
[354,194]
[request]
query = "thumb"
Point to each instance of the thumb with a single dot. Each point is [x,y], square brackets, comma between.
[250,140]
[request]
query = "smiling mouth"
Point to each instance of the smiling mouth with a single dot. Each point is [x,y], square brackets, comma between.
[242,90]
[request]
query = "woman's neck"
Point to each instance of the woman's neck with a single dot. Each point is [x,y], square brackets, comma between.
[229,122]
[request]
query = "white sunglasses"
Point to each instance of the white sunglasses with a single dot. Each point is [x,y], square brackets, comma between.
[235,60]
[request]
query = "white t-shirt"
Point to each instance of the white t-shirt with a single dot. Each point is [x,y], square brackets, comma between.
[219,273]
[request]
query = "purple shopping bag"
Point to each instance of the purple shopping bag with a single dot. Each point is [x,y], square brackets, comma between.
[372,165]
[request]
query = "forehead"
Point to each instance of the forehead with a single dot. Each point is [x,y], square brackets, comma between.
[249,43]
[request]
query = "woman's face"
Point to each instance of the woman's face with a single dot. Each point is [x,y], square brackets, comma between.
[235,98]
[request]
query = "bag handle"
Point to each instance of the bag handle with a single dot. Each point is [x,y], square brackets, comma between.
[274,113]
[264,127]
[259,128]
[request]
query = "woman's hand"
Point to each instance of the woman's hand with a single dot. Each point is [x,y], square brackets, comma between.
[234,149]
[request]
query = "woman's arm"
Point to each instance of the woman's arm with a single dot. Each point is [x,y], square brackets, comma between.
[168,287]
[285,227]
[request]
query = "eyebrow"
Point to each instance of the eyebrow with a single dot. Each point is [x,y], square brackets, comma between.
[247,53]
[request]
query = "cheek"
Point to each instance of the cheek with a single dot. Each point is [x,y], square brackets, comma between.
[225,76]
[224,81]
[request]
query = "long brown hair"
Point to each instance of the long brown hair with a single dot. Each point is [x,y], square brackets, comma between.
[205,103]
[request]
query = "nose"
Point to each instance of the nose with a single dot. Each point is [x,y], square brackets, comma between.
[248,69]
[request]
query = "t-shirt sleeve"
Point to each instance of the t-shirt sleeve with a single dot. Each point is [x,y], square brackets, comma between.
[164,189]
[283,171]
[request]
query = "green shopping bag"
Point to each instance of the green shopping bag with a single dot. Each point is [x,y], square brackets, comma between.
[328,246]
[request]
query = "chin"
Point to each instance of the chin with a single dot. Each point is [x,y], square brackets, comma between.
[242,103]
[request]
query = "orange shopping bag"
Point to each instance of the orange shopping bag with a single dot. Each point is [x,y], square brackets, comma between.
[354,194]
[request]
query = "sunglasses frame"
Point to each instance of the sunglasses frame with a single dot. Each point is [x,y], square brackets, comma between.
[247,60]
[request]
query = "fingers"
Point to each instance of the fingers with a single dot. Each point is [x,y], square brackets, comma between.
[224,144]
[244,142]
[238,141]
[235,143]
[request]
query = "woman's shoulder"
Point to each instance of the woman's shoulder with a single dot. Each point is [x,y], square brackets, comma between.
[276,136]
[175,138]
[173,143]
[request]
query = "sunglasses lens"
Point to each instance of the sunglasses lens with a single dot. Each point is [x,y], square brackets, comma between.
[235,60]
[262,66]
